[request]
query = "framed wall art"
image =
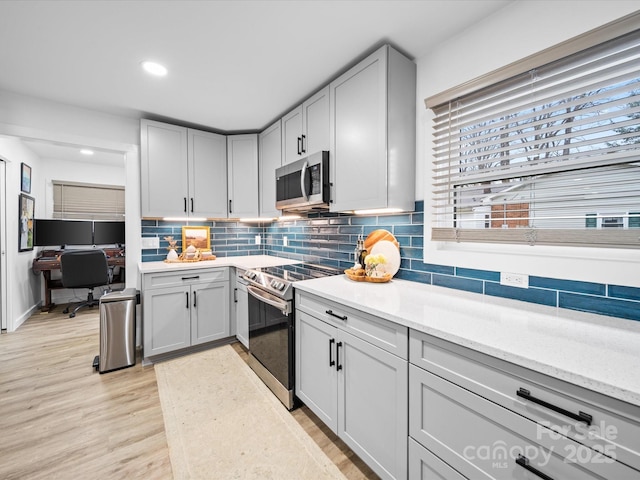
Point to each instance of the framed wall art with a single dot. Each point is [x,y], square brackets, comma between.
[25,178]
[197,236]
[25,220]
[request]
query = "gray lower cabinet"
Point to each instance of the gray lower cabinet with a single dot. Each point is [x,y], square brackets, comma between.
[354,386]
[486,418]
[184,308]
[241,300]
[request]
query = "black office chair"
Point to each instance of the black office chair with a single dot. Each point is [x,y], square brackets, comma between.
[84,269]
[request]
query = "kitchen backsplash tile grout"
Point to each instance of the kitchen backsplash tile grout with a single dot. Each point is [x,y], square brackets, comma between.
[330,239]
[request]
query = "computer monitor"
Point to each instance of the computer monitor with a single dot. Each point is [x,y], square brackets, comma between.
[53,233]
[107,233]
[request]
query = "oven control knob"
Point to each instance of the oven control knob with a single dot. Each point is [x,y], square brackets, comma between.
[280,286]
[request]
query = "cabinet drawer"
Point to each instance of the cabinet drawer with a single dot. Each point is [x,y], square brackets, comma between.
[424,465]
[483,440]
[380,332]
[184,277]
[615,425]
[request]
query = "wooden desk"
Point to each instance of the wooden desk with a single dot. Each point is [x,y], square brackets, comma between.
[50,261]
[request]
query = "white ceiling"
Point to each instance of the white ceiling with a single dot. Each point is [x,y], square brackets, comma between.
[233,65]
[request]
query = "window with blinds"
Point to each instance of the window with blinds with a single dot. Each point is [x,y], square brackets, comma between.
[551,156]
[87,201]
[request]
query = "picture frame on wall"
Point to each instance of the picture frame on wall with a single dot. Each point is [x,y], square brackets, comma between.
[25,222]
[199,237]
[25,178]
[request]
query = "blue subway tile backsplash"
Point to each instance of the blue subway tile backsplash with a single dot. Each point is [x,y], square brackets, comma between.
[330,239]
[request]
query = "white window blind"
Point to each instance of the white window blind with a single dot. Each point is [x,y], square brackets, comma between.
[72,200]
[551,156]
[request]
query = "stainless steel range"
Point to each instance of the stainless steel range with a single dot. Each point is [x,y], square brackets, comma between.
[271,324]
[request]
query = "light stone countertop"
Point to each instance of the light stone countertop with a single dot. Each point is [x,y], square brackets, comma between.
[597,352]
[246,261]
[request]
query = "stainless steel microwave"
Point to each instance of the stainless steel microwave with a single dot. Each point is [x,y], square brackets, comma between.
[303,185]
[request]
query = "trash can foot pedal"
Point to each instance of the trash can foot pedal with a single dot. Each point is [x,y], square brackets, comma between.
[96,362]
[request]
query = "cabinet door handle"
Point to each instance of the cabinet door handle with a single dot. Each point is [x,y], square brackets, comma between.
[341,317]
[185,204]
[338,366]
[304,150]
[332,362]
[230,209]
[191,204]
[187,294]
[524,463]
[194,299]
[580,417]
[235,295]
[299,145]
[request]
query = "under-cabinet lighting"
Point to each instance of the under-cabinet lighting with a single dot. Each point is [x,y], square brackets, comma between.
[154,68]
[86,151]
[285,218]
[256,220]
[184,219]
[377,211]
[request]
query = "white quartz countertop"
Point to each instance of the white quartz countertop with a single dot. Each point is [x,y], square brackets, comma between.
[246,261]
[597,352]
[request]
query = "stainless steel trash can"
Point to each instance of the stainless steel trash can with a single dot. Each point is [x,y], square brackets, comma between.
[117,331]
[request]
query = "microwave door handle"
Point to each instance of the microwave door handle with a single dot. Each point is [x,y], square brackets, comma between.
[303,180]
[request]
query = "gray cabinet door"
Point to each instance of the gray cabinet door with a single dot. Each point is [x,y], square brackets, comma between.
[242,156]
[166,320]
[292,136]
[209,312]
[316,373]
[315,123]
[373,405]
[207,174]
[242,315]
[359,135]
[270,157]
[163,170]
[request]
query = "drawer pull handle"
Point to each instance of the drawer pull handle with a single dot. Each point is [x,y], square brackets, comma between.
[338,366]
[191,278]
[524,463]
[341,317]
[187,294]
[580,417]
[332,362]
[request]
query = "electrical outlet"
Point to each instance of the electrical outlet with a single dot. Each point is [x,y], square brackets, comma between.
[285,241]
[258,239]
[519,280]
[149,242]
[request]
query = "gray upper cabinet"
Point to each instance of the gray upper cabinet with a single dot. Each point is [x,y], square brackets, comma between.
[305,130]
[270,158]
[373,134]
[183,172]
[242,160]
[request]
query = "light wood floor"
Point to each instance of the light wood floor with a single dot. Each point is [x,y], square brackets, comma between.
[60,419]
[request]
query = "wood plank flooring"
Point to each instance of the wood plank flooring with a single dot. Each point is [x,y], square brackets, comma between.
[60,419]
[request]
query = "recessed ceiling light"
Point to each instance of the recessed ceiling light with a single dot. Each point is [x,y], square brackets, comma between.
[154,68]
[86,151]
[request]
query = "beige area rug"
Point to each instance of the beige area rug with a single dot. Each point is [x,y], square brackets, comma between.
[222,422]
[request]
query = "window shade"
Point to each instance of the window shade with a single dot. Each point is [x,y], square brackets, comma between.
[87,201]
[551,156]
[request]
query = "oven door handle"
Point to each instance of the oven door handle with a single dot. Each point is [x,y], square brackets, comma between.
[269,299]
